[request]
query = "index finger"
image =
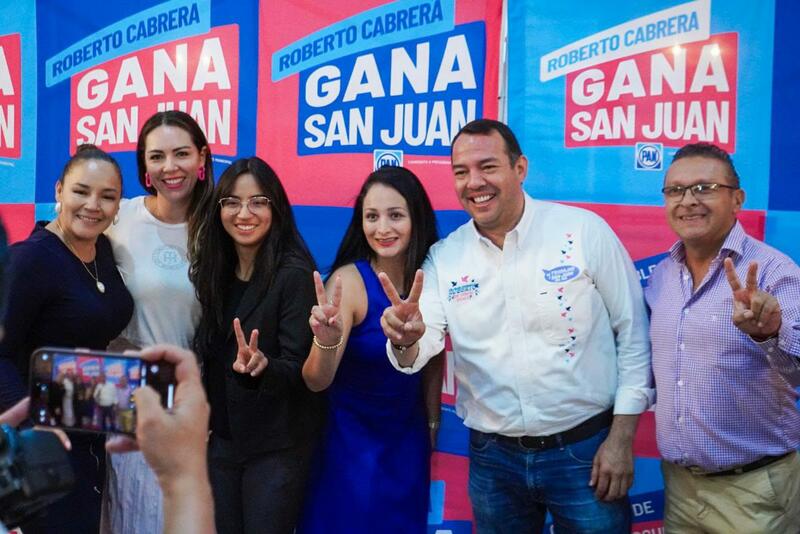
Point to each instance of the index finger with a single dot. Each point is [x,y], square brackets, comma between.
[416,287]
[17,413]
[752,276]
[60,434]
[388,288]
[118,443]
[603,485]
[237,329]
[319,287]
[185,361]
[730,274]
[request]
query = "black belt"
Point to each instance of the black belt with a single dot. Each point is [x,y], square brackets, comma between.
[583,431]
[752,466]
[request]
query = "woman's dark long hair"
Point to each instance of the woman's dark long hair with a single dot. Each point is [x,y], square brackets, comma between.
[201,194]
[214,263]
[354,245]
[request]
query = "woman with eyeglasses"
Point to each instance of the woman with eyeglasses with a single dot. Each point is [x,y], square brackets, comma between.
[152,242]
[253,276]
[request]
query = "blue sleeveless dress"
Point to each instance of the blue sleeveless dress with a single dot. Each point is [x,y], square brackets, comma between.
[372,473]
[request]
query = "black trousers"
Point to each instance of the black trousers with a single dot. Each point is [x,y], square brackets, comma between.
[259,493]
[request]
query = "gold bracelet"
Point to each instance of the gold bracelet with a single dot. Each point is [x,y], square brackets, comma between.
[328,347]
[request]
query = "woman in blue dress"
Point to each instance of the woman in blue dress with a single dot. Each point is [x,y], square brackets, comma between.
[373,469]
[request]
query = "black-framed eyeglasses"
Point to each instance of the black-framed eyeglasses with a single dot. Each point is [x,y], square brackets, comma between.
[256,204]
[700,191]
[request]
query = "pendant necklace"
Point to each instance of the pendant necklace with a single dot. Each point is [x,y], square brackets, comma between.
[101,287]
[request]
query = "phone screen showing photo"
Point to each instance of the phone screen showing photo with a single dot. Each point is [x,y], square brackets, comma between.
[93,391]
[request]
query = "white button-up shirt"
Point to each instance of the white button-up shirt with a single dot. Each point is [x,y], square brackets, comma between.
[547,331]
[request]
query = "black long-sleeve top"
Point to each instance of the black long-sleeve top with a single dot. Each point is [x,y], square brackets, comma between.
[274,410]
[51,300]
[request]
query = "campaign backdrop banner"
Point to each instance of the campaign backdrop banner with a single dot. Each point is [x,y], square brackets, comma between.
[783,216]
[101,79]
[346,89]
[602,94]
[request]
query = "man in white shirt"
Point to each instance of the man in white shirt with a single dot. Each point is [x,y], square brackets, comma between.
[105,395]
[547,320]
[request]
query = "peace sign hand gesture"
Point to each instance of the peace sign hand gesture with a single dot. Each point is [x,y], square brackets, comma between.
[755,312]
[402,321]
[326,319]
[249,359]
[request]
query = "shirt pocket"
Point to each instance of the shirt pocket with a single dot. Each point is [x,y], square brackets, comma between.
[721,342]
[563,311]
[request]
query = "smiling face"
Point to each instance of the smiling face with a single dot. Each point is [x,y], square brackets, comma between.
[249,225]
[172,160]
[702,224]
[488,185]
[89,199]
[386,221]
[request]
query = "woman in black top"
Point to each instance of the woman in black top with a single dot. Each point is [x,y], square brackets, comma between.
[253,276]
[63,289]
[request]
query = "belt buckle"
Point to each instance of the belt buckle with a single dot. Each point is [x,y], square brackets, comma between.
[696,470]
[536,443]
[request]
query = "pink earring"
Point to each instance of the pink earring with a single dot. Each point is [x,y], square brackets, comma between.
[147,182]
[201,173]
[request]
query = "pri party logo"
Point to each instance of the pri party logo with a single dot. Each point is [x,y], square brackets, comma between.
[659,80]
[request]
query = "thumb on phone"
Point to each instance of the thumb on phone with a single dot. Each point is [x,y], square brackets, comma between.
[148,407]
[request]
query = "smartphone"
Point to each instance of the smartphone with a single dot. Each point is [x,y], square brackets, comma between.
[92,391]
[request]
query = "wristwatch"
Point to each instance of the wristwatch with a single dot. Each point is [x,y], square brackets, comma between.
[401,349]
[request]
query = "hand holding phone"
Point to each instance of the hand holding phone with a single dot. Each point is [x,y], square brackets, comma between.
[174,443]
[92,391]
[161,435]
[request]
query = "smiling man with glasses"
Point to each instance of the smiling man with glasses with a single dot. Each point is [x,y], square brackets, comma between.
[726,359]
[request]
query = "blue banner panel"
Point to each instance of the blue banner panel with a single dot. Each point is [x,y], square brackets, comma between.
[784,188]
[783,229]
[17,101]
[602,93]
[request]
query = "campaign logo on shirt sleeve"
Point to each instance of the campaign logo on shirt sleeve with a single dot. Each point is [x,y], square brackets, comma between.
[465,288]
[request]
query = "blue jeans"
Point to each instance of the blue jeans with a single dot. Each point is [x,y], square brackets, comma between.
[512,488]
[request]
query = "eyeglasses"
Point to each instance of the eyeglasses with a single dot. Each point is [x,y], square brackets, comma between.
[256,204]
[700,191]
